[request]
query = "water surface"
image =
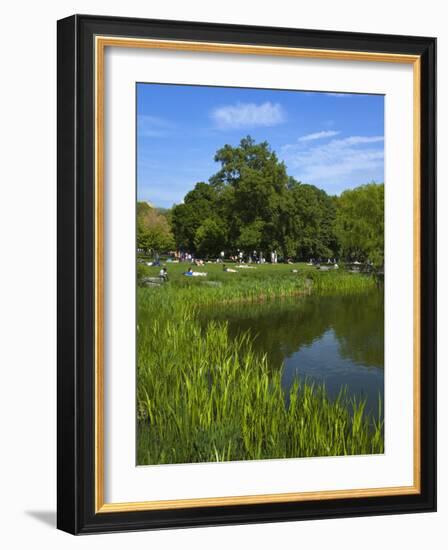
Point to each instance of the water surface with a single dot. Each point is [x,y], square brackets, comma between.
[337,340]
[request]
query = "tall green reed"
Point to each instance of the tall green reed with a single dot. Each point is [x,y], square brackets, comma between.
[203,396]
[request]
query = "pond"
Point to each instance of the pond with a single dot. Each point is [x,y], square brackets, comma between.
[337,340]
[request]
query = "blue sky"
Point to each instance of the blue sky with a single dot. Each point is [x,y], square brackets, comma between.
[333,141]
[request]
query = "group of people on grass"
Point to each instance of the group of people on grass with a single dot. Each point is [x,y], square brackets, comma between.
[319,261]
[238,257]
[163,273]
[240,260]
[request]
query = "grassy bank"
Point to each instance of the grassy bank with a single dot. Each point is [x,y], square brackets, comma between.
[260,283]
[203,396]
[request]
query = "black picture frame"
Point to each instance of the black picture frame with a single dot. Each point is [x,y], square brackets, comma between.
[76,255]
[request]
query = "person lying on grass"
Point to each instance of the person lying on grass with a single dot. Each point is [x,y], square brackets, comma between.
[191,273]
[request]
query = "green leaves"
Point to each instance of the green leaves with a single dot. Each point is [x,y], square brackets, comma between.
[251,236]
[256,206]
[360,223]
[153,230]
[204,395]
[217,400]
[251,203]
[199,205]
[210,237]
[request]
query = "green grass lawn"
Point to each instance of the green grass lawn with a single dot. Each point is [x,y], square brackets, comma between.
[258,282]
[202,396]
[215,272]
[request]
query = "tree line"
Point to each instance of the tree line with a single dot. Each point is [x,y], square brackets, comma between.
[252,204]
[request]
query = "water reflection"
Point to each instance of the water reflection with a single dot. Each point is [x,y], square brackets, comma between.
[338,340]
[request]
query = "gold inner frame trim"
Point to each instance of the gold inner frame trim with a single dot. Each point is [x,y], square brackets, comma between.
[101,42]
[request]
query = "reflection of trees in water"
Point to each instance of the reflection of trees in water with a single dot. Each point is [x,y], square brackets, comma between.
[360,330]
[281,327]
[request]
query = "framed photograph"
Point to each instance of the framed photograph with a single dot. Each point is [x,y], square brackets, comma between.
[246,274]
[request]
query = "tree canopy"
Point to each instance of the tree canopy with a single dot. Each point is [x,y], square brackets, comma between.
[252,204]
[153,230]
[360,223]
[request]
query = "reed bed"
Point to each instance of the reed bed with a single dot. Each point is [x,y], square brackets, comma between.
[263,283]
[203,396]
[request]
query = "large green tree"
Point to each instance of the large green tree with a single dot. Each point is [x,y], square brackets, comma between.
[199,205]
[251,203]
[310,225]
[252,184]
[154,233]
[210,237]
[360,223]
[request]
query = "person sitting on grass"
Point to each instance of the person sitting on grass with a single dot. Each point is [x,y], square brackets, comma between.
[163,274]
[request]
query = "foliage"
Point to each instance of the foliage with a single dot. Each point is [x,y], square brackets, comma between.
[311,217]
[204,396]
[142,272]
[360,223]
[262,283]
[210,237]
[153,230]
[199,204]
[252,204]
[251,236]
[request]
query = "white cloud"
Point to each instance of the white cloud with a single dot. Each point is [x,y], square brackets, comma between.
[358,140]
[153,126]
[355,159]
[243,115]
[339,94]
[319,135]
